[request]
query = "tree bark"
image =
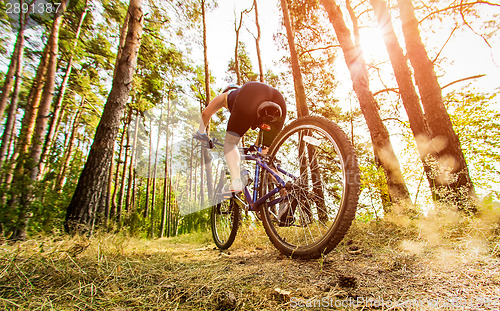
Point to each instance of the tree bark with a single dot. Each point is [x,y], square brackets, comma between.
[48,145]
[11,116]
[205,156]
[128,204]
[119,209]
[410,98]
[9,78]
[205,54]
[27,164]
[453,175]
[81,210]
[148,183]
[257,42]
[69,148]
[47,95]
[300,93]
[378,132]
[28,121]
[114,204]
[166,191]
[155,171]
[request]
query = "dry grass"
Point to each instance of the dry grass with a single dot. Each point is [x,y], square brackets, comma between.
[399,260]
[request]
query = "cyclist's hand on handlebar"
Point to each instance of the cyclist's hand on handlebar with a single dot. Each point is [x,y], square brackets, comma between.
[203,138]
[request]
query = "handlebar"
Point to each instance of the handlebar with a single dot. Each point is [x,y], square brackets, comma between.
[210,143]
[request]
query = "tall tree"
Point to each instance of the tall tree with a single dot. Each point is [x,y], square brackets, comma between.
[453,172]
[18,48]
[131,177]
[17,59]
[380,136]
[27,163]
[205,155]
[90,187]
[166,189]
[257,42]
[69,148]
[300,93]
[237,29]
[409,96]
[47,95]
[47,146]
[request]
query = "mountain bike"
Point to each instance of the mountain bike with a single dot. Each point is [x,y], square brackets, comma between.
[305,190]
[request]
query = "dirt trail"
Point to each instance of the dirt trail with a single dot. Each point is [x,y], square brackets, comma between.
[376,267]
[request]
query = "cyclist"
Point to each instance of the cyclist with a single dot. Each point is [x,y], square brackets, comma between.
[252,105]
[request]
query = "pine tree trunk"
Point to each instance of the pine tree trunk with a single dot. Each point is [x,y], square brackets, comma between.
[81,211]
[27,162]
[121,43]
[411,101]
[28,121]
[300,93]
[380,136]
[205,54]
[190,178]
[57,106]
[257,42]
[114,205]
[109,191]
[148,182]
[128,204]
[302,110]
[202,177]
[9,78]
[458,182]
[124,171]
[155,171]
[384,194]
[11,116]
[34,96]
[166,192]
[205,156]
[47,95]
[69,149]
[236,46]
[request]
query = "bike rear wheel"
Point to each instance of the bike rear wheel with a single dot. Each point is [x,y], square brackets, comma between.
[319,202]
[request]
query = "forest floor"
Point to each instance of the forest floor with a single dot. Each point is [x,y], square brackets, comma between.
[435,263]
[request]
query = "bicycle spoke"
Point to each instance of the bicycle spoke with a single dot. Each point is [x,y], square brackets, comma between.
[316,187]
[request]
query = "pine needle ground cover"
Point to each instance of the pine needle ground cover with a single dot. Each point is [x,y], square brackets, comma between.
[402,263]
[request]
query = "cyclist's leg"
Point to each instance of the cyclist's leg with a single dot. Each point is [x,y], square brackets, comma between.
[232,155]
[243,117]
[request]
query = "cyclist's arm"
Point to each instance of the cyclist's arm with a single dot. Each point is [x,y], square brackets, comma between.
[215,105]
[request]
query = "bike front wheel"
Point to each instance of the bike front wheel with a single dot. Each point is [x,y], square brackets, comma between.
[311,215]
[225,219]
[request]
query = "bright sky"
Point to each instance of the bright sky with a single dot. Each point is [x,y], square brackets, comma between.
[221,36]
[468,52]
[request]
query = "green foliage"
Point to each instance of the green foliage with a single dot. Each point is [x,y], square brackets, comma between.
[195,222]
[245,66]
[373,187]
[478,129]
[316,55]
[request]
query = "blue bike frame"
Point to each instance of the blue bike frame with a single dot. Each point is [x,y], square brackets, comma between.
[253,202]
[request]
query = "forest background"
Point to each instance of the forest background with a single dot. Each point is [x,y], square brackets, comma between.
[71,78]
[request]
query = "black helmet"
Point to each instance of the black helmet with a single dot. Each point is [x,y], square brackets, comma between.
[268,112]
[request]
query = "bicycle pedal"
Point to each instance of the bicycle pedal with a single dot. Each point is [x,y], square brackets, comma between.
[230,194]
